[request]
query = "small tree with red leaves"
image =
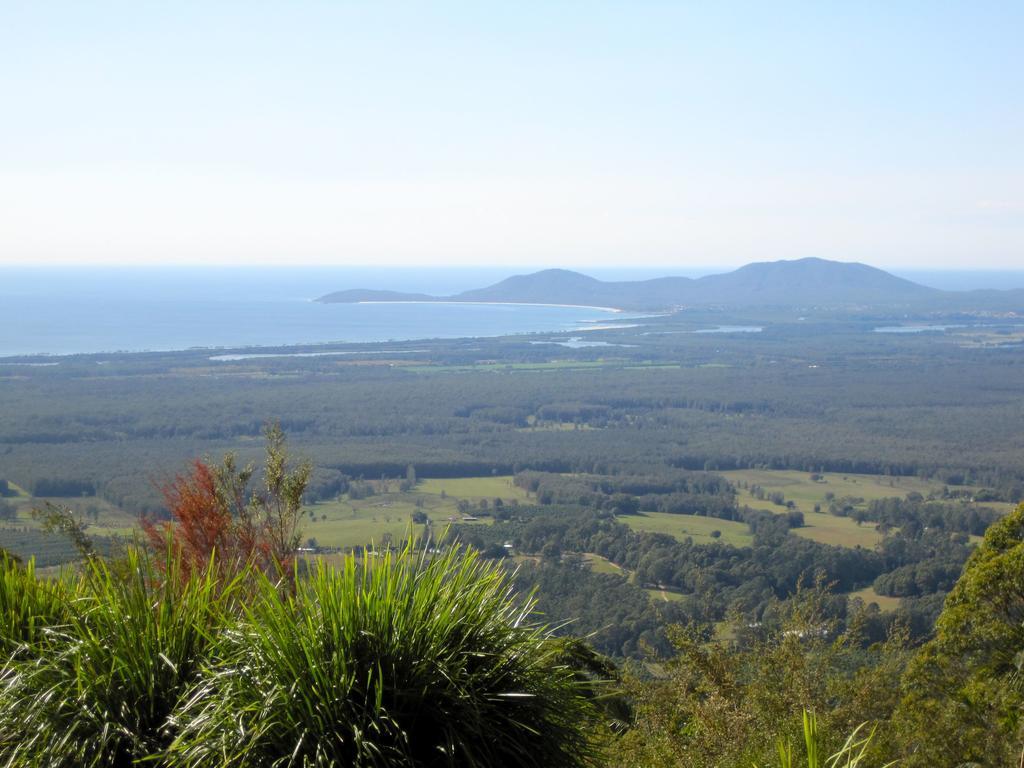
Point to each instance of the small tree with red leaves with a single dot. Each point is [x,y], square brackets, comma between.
[217,514]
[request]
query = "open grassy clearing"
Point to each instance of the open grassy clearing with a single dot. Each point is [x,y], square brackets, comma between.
[805,493]
[1003,507]
[25,537]
[379,519]
[340,523]
[525,559]
[388,516]
[473,488]
[17,491]
[693,526]
[101,517]
[664,596]
[838,531]
[600,564]
[884,602]
[799,488]
[988,338]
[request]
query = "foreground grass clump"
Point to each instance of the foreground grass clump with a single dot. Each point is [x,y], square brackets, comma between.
[105,681]
[408,660]
[852,754]
[414,659]
[28,606]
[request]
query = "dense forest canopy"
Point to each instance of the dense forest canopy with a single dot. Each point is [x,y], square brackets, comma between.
[811,396]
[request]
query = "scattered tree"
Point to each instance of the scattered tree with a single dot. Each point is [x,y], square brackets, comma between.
[217,510]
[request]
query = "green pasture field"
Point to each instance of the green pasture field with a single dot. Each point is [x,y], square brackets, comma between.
[694,526]
[839,531]
[473,488]
[345,523]
[52,551]
[805,493]
[107,521]
[1005,507]
[367,521]
[339,523]
[19,492]
[599,564]
[868,595]
[823,527]
[348,522]
[664,596]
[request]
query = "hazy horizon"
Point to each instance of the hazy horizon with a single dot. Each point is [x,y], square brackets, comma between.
[93,310]
[435,280]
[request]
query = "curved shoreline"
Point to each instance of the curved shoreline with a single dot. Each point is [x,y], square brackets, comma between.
[504,325]
[488,303]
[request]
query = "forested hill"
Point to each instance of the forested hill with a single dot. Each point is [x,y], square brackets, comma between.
[813,282]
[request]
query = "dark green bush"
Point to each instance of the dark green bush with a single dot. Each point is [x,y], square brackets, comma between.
[28,606]
[103,689]
[408,660]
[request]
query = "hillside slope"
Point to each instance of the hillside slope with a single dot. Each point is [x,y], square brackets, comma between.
[804,282]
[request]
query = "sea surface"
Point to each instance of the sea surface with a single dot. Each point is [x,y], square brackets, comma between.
[56,311]
[61,310]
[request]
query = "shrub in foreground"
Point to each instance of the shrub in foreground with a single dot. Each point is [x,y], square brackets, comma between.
[729,704]
[852,754]
[28,606]
[105,683]
[222,510]
[964,691]
[406,660]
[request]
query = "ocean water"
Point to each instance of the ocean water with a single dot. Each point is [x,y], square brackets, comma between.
[58,311]
[53,311]
[965,279]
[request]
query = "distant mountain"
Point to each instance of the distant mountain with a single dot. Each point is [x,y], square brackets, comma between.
[804,282]
[556,286]
[560,286]
[810,281]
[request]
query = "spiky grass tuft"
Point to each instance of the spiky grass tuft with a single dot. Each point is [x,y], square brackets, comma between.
[853,753]
[28,606]
[406,660]
[113,672]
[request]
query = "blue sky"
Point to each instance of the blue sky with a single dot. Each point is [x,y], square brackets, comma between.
[556,133]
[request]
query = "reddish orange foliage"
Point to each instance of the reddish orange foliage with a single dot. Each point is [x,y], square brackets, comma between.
[218,516]
[202,522]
